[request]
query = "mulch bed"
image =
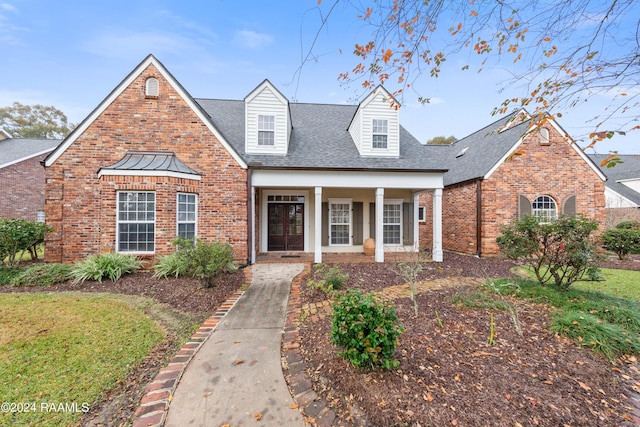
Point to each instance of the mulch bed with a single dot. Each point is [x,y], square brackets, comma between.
[450,375]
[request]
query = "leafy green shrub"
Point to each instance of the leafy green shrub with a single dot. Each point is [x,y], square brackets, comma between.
[628,225]
[205,261]
[327,279]
[17,236]
[109,265]
[560,250]
[367,328]
[43,274]
[7,274]
[589,331]
[621,241]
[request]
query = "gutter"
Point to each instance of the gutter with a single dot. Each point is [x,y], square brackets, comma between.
[479,217]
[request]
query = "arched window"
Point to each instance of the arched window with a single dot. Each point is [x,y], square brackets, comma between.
[151,88]
[544,208]
[544,136]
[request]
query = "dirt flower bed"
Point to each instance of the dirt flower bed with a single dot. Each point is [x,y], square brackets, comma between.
[450,375]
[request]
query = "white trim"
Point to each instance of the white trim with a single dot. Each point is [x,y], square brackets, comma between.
[341,201]
[195,221]
[137,172]
[317,222]
[150,60]
[424,214]
[623,199]
[155,228]
[13,162]
[264,215]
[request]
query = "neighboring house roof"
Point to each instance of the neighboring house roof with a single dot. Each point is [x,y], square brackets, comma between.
[159,161]
[479,154]
[319,139]
[15,150]
[628,169]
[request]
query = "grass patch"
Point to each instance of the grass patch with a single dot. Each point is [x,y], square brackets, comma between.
[477,299]
[607,323]
[620,283]
[67,348]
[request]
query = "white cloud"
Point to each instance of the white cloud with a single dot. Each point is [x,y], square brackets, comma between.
[251,40]
[7,7]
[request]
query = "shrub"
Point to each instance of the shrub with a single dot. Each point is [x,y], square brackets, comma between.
[7,274]
[560,250]
[367,328]
[621,241]
[202,260]
[628,225]
[44,274]
[109,265]
[328,279]
[17,236]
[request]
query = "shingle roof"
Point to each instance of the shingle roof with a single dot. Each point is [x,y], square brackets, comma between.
[475,155]
[629,169]
[152,161]
[319,139]
[13,150]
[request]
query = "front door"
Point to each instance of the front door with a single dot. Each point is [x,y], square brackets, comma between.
[286,225]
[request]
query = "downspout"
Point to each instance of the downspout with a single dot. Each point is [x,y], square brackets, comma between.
[479,217]
[250,217]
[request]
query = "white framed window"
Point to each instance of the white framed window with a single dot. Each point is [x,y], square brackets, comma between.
[544,136]
[422,214]
[544,208]
[379,128]
[187,216]
[392,222]
[152,87]
[266,130]
[40,216]
[340,222]
[136,221]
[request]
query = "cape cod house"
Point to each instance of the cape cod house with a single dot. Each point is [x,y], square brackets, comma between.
[264,174]
[512,167]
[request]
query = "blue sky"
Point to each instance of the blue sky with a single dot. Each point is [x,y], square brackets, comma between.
[71,54]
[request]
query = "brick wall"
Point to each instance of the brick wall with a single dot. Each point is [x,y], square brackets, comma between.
[22,189]
[81,207]
[555,170]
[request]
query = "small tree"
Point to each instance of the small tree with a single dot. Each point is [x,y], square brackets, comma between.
[560,250]
[18,236]
[34,121]
[622,241]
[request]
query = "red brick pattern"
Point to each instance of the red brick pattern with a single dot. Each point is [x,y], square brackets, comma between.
[81,207]
[26,181]
[555,170]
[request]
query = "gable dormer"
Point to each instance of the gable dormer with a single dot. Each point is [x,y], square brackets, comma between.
[375,128]
[267,121]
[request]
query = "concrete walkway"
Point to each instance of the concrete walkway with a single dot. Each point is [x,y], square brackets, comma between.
[236,376]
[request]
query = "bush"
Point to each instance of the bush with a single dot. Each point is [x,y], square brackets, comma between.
[17,236]
[43,274]
[622,241]
[367,328]
[560,250]
[628,225]
[204,261]
[7,274]
[109,265]
[329,279]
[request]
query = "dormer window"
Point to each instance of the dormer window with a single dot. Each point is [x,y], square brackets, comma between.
[380,133]
[151,87]
[544,136]
[266,130]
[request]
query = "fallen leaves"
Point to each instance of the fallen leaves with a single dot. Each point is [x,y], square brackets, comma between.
[257,416]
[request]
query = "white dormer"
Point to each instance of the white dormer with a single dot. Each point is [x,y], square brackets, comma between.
[375,128]
[267,121]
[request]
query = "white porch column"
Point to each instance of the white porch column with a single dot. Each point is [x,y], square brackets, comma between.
[317,234]
[416,222]
[379,222]
[253,225]
[437,225]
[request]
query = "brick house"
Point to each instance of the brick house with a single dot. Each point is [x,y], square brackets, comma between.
[22,176]
[261,173]
[622,189]
[510,168]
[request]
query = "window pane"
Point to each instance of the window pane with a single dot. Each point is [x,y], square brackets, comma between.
[266,138]
[186,215]
[136,221]
[379,141]
[544,209]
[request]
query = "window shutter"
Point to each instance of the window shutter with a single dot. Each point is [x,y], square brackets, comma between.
[407,223]
[372,220]
[524,206]
[357,223]
[569,206]
[325,224]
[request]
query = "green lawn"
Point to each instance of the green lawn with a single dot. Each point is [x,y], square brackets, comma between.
[67,349]
[619,283]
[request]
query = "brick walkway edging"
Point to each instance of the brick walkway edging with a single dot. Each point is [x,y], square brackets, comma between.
[154,405]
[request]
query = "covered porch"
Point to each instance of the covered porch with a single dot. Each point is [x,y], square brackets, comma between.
[328,213]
